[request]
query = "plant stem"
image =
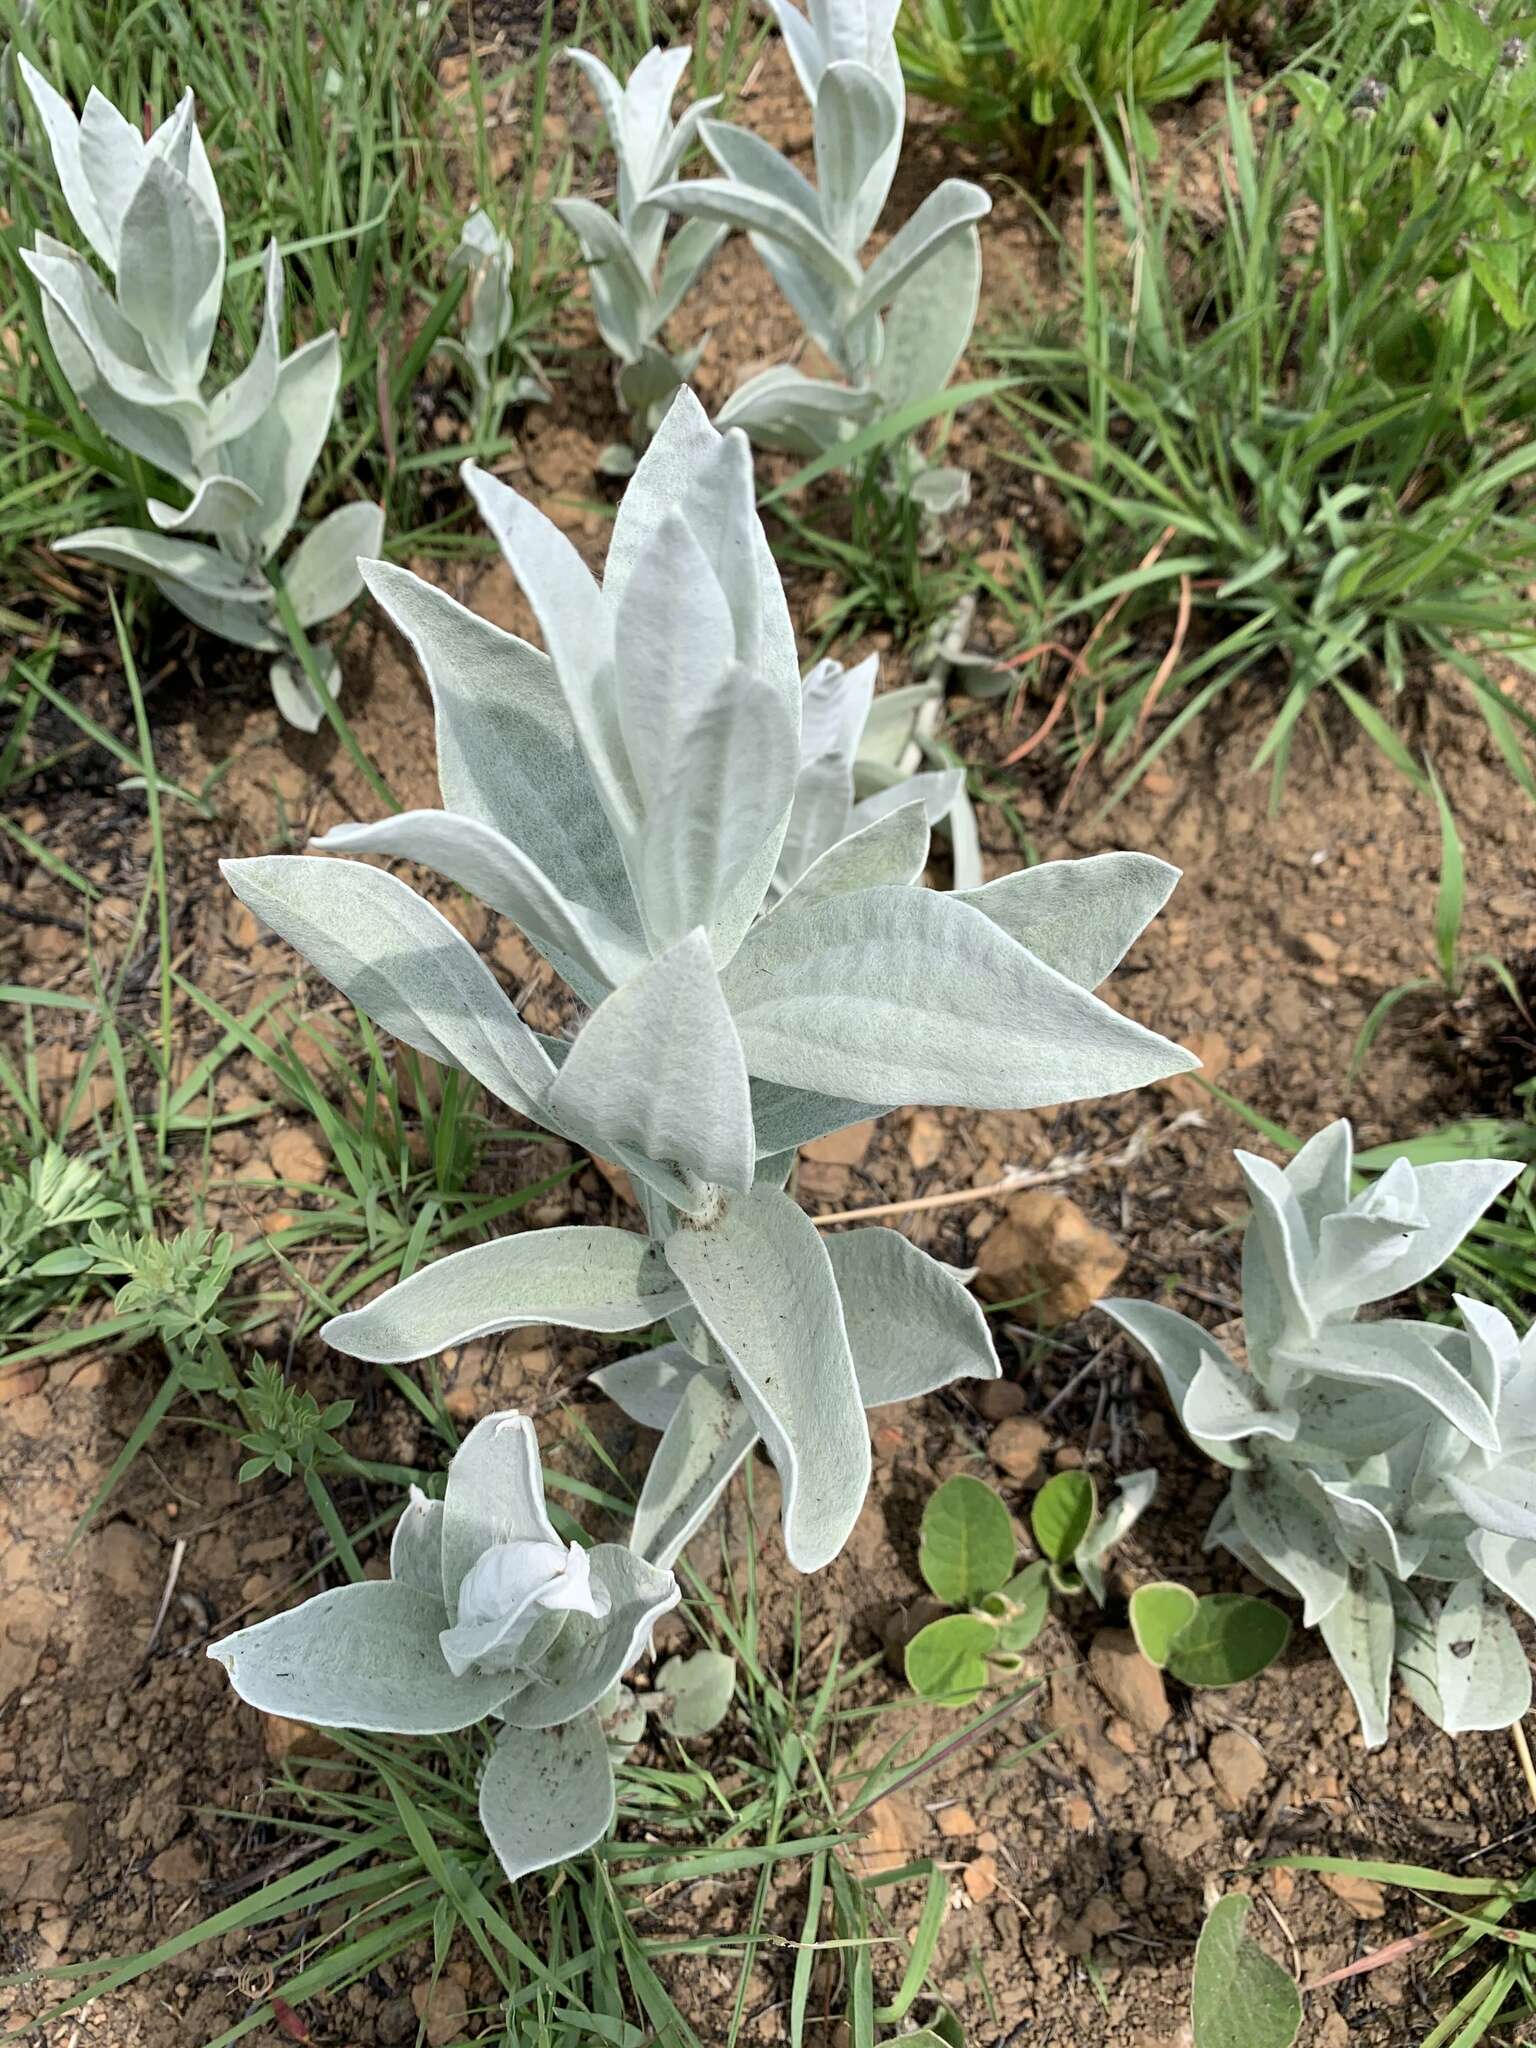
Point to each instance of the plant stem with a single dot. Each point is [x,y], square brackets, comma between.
[299,641]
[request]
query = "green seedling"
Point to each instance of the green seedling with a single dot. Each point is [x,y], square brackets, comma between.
[968,1555]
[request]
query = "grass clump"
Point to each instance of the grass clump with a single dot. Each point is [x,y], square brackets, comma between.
[1304,427]
[1028,76]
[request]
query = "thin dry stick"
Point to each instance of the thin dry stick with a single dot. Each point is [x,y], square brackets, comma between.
[171,1577]
[1010,1184]
[1021,1177]
[1523,1751]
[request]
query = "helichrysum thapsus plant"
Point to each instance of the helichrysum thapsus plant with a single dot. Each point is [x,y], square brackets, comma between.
[485,1612]
[895,327]
[136,360]
[1382,1472]
[635,287]
[625,798]
[854,770]
[486,257]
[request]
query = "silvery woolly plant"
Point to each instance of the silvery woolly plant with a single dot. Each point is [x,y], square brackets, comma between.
[136,359]
[1383,1472]
[636,288]
[896,327]
[486,258]
[625,798]
[485,1614]
[860,759]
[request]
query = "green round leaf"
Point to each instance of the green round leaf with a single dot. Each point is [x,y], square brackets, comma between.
[947,1660]
[1159,1614]
[1062,1514]
[1020,1607]
[1242,1998]
[967,1547]
[1230,1638]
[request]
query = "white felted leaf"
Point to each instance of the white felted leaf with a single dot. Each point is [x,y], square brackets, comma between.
[296,697]
[658,1067]
[1293,1537]
[363,1656]
[1398,1356]
[1079,916]
[1178,1347]
[714,824]
[577,629]
[243,400]
[1368,1526]
[675,629]
[1501,1500]
[277,453]
[647,110]
[166,557]
[112,158]
[760,210]
[114,345]
[1481,1673]
[912,1327]
[1451,1196]
[938,792]
[495,1495]
[900,995]
[786,1118]
[783,408]
[760,1277]
[1224,1405]
[705,1442]
[1132,1499]
[587,948]
[854,127]
[621,293]
[720,508]
[649,1386]
[322,574]
[507,751]
[947,211]
[171,258]
[928,323]
[63,132]
[1361,1633]
[1319,1174]
[247,625]
[416,1548]
[1277,1229]
[1508,1564]
[546,1795]
[1493,1352]
[402,963]
[591,1654]
[802,43]
[590,1277]
[891,852]
[220,504]
[159,432]
[756,166]
[688,254]
[514,1599]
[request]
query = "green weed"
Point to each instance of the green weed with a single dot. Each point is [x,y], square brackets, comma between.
[1315,454]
